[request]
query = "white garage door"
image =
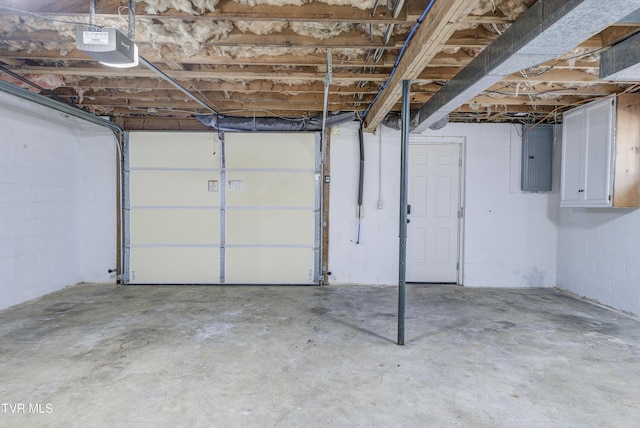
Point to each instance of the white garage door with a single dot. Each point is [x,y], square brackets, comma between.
[243,209]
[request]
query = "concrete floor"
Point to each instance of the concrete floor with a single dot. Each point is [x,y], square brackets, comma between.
[157,356]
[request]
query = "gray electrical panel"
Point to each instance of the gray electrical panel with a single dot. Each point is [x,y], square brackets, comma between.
[537,158]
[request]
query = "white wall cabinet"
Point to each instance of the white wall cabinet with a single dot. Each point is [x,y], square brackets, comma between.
[601,154]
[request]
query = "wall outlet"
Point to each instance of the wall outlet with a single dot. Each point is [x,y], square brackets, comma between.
[235,185]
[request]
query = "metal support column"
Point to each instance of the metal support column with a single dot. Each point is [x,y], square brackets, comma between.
[404,169]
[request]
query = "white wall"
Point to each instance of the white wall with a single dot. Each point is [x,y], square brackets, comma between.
[510,237]
[375,259]
[57,204]
[598,253]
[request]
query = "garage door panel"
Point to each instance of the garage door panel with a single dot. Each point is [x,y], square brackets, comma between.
[269,265]
[173,188]
[175,226]
[158,150]
[276,150]
[175,265]
[269,227]
[270,189]
[194,218]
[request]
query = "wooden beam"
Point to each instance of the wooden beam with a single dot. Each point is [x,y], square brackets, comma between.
[130,84]
[438,26]
[228,73]
[160,123]
[615,33]
[106,96]
[354,39]
[185,103]
[153,56]
[224,11]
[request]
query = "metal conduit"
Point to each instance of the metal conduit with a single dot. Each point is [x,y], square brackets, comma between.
[400,55]
[169,79]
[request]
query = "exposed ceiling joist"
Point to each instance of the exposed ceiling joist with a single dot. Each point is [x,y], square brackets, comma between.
[545,31]
[270,58]
[438,26]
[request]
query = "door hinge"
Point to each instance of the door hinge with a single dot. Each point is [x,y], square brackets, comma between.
[458,266]
[460,162]
[461,212]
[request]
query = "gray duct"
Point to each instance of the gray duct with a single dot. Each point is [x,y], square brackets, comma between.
[273,124]
[548,29]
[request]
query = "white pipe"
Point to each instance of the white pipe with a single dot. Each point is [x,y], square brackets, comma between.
[380,201]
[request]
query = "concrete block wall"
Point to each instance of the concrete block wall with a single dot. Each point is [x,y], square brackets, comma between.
[510,236]
[57,210]
[598,253]
[373,261]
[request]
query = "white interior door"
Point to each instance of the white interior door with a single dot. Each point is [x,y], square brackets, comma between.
[434,199]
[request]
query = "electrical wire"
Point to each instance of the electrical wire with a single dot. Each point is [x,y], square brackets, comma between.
[400,55]
[531,93]
[631,88]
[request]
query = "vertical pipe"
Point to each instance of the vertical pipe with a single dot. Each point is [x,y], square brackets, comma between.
[325,105]
[132,20]
[404,168]
[92,14]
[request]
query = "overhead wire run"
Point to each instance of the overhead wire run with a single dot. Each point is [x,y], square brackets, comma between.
[387,34]
[400,55]
[397,7]
[373,8]
[630,89]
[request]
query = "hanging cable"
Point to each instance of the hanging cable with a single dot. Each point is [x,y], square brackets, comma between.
[400,55]
[360,212]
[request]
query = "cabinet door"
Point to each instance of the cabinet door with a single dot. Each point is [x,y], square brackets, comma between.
[572,178]
[599,144]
